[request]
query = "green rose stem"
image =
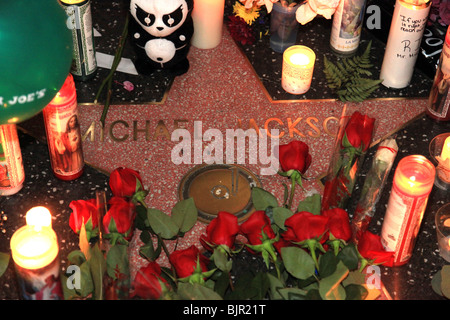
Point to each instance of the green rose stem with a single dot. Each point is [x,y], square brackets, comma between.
[160,239]
[108,80]
[296,178]
[312,244]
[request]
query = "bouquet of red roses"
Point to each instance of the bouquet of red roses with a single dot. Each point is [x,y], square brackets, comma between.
[352,142]
[105,230]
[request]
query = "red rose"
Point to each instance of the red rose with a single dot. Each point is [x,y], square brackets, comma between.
[294,156]
[358,132]
[338,223]
[84,210]
[185,261]
[119,219]
[305,225]
[222,230]
[370,247]
[253,227]
[125,182]
[147,282]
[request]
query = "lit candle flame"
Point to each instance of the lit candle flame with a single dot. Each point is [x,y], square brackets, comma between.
[38,217]
[446,150]
[300,59]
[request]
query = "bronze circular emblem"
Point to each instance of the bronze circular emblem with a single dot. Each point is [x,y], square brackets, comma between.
[220,187]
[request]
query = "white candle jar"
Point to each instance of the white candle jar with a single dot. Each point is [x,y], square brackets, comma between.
[298,68]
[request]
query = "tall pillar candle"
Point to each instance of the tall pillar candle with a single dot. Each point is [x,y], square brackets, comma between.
[208,23]
[34,249]
[12,174]
[403,45]
[413,181]
[297,70]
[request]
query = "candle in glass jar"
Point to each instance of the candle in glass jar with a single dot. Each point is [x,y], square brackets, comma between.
[443,169]
[34,249]
[207,16]
[298,68]
[412,184]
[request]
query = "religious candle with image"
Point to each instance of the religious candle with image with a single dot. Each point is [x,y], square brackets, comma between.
[63,133]
[347,26]
[12,173]
[34,249]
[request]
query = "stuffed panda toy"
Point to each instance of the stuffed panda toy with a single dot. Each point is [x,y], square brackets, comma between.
[161,32]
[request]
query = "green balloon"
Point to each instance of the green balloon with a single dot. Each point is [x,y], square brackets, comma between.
[35,56]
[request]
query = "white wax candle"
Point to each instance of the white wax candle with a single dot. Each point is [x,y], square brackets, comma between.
[298,67]
[208,23]
[403,44]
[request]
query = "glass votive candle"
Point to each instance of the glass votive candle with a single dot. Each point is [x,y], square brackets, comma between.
[298,68]
[440,153]
[443,231]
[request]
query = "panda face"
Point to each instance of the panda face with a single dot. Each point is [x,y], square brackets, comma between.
[159,18]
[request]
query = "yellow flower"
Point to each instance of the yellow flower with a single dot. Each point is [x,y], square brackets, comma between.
[249,15]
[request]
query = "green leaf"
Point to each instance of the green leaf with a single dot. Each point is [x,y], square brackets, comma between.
[349,256]
[221,260]
[221,282]
[293,293]
[185,214]
[76,257]
[297,262]
[4,261]
[354,277]
[355,292]
[141,218]
[260,286]
[436,282]
[330,288]
[97,266]
[346,79]
[445,282]
[149,252]
[86,280]
[275,285]
[162,224]
[280,214]
[263,199]
[117,261]
[327,264]
[195,291]
[310,204]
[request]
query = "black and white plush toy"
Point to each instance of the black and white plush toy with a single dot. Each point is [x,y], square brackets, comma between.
[161,32]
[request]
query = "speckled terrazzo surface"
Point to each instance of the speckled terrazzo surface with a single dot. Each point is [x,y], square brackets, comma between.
[223,91]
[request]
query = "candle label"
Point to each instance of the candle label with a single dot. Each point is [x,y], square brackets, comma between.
[41,284]
[64,138]
[347,25]
[401,224]
[80,22]
[296,80]
[12,173]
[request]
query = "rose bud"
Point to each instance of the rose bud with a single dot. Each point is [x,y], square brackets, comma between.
[84,211]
